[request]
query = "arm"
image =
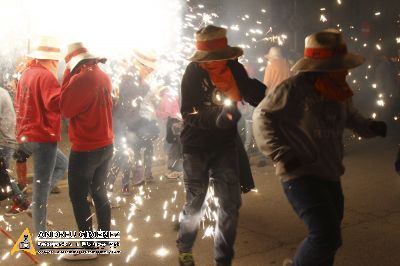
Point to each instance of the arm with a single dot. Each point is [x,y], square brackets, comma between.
[50,90]
[193,111]
[252,90]
[76,93]
[357,123]
[267,120]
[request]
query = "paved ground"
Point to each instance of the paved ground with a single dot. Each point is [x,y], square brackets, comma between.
[268,230]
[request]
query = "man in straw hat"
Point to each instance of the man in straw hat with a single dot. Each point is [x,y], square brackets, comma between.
[38,127]
[86,101]
[212,85]
[300,126]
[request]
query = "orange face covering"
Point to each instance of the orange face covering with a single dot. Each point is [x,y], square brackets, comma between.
[333,86]
[221,75]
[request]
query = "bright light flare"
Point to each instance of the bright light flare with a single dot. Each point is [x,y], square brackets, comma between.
[162,252]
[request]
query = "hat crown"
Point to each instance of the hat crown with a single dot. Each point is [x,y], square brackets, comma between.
[46,41]
[274,53]
[74,46]
[329,39]
[210,32]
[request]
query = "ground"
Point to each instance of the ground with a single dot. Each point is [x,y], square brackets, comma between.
[268,230]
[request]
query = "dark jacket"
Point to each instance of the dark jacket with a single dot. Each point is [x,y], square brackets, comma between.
[202,103]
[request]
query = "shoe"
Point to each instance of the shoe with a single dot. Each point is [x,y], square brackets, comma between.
[125,190]
[173,175]
[15,210]
[79,256]
[287,262]
[186,259]
[55,190]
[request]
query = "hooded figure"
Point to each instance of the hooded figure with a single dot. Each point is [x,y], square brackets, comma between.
[300,126]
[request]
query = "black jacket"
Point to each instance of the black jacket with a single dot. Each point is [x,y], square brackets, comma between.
[202,103]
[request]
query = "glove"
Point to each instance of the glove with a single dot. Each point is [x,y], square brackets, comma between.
[292,164]
[378,127]
[228,117]
[20,156]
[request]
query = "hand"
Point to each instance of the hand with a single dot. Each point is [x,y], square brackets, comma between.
[20,156]
[228,117]
[378,127]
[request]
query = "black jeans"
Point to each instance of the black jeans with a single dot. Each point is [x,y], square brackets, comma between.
[87,173]
[320,204]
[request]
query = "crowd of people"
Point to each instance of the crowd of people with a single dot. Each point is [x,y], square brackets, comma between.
[296,116]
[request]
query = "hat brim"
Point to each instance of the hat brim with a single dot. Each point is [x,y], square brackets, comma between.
[45,55]
[217,55]
[76,59]
[348,61]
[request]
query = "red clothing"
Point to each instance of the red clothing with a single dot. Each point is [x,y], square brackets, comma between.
[86,100]
[37,106]
[168,106]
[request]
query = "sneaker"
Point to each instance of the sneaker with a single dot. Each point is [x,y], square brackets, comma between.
[79,256]
[287,262]
[55,190]
[186,259]
[15,210]
[173,175]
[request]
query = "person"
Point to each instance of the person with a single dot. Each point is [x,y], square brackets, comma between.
[144,126]
[277,68]
[8,144]
[174,127]
[211,86]
[300,126]
[38,124]
[86,101]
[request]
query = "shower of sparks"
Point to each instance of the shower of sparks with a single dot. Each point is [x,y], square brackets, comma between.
[323,18]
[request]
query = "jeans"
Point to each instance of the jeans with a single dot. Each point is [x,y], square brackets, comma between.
[320,204]
[5,156]
[174,153]
[120,162]
[147,146]
[87,173]
[49,165]
[222,168]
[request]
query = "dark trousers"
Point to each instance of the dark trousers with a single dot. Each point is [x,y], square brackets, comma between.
[222,167]
[87,173]
[319,203]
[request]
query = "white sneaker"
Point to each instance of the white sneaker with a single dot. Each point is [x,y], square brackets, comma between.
[79,256]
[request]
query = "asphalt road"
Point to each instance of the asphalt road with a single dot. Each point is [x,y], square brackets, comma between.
[268,230]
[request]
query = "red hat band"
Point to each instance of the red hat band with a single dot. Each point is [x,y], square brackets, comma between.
[75,53]
[211,45]
[48,49]
[323,53]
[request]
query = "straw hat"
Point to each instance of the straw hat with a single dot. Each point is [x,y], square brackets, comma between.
[76,52]
[212,45]
[326,51]
[274,53]
[146,58]
[46,48]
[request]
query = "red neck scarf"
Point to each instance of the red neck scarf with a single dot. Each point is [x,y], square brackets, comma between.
[333,86]
[221,75]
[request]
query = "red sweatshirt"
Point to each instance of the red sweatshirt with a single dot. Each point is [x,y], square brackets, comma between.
[86,100]
[36,103]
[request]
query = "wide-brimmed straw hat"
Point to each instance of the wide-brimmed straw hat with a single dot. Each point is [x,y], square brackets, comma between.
[76,52]
[274,53]
[326,51]
[146,58]
[46,48]
[212,45]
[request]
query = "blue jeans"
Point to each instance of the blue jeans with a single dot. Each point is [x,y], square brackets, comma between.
[222,168]
[87,173]
[49,165]
[320,204]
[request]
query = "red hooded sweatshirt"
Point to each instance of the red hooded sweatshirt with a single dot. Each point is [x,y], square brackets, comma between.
[86,100]
[36,103]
